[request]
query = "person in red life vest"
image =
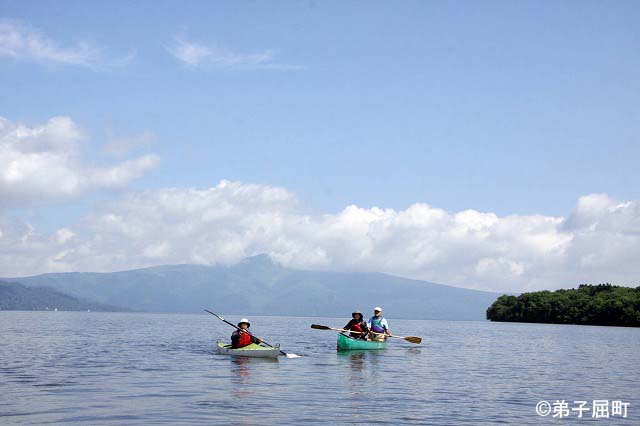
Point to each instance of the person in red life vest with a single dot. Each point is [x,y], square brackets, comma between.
[241,338]
[357,325]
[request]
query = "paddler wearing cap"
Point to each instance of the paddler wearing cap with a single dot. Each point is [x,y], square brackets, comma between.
[357,325]
[240,338]
[378,325]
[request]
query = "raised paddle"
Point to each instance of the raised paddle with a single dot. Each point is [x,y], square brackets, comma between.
[245,331]
[410,339]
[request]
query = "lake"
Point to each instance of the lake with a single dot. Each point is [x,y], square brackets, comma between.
[135,368]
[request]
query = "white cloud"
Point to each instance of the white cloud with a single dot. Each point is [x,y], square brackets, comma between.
[19,41]
[19,242]
[598,242]
[44,162]
[190,53]
[122,146]
[194,54]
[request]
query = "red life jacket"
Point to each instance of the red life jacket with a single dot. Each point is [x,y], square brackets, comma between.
[243,339]
[356,327]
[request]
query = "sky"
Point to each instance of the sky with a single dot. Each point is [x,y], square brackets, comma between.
[489,145]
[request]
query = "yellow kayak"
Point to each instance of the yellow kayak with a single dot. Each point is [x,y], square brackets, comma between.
[252,350]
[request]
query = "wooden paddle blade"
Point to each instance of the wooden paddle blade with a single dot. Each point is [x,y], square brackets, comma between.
[320,327]
[413,339]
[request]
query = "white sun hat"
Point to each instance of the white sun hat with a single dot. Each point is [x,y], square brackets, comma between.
[244,320]
[377,308]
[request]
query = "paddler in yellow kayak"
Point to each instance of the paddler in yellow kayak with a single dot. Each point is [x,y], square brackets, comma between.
[240,338]
[378,326]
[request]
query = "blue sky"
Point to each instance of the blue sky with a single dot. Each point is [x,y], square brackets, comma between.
[501,106]
[514,108]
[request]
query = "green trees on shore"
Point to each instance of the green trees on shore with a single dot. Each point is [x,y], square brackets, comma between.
[602,304]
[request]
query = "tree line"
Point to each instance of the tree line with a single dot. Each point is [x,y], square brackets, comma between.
[602,304]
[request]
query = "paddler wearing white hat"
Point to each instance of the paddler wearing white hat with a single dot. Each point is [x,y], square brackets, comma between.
[378,325]
[241,338]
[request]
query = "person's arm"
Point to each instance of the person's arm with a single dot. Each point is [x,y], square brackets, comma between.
[385,325]
[234,339]
[365,330]
[348,326]
[255,340]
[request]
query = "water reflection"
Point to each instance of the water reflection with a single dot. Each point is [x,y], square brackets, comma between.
[241,369]
[360,367]
[357,361]
[363,365]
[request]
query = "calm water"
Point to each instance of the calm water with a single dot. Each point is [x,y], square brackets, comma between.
[106,368]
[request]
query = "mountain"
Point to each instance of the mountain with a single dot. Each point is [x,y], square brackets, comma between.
[15,296]
[259,286]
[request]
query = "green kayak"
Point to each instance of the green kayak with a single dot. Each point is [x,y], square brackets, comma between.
[252,350]
[346,343]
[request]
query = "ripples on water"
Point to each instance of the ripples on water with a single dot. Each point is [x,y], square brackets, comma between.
[119,368]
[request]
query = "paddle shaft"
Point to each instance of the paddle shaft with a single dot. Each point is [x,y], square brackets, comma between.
[354,332]
[410,339]
[244,331]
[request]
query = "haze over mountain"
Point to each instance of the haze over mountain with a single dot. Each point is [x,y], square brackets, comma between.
[15,296]
[259,286]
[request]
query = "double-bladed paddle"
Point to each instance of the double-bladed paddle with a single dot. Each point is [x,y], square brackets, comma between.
[288,355]
[410,339]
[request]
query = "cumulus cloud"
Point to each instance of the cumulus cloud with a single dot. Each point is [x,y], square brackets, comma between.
[194,54]
[44,162]
[20,242]
[19,41]
[599,241]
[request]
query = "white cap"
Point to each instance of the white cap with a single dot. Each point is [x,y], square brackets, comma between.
[377,308]
[245,321]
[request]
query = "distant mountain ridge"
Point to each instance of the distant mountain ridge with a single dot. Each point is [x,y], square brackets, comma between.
[258,286]
[15,296]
